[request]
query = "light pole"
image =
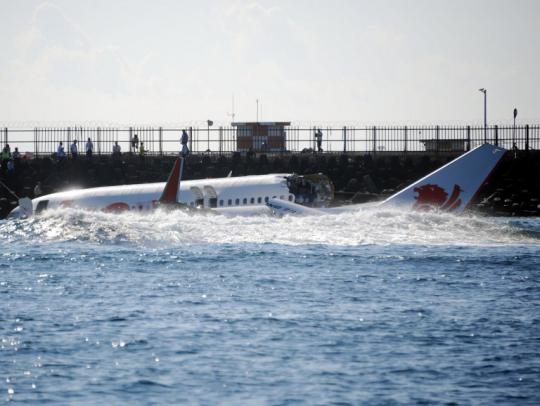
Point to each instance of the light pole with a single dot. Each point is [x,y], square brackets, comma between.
[485,113]
[514,130]
[257,101]
[209,123]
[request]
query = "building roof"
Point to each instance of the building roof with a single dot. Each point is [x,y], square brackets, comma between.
[261,123]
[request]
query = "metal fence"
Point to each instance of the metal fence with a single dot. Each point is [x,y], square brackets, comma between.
[222,140]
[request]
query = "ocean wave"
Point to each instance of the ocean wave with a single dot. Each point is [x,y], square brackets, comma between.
[379,227]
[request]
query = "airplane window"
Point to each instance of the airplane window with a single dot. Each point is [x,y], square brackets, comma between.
[291,198]
[273,197]
[237,202]
[266,199]
[252,200]
[221,203]
[244,201]
[259,199]
[229,202]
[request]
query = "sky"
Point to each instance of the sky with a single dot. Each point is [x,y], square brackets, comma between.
[167,62]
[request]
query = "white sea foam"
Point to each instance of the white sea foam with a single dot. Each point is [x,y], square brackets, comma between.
[378,227]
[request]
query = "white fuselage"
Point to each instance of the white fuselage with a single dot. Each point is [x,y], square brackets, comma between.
[236,194]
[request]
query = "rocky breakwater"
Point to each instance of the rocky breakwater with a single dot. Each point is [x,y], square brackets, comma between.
[513,189]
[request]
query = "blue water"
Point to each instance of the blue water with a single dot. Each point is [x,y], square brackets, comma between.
[363,308]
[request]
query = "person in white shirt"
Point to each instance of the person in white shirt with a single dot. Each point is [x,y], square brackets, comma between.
[73,150]
[89,148]
[60,153]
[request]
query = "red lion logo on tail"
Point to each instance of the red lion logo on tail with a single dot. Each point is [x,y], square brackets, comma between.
[434,196]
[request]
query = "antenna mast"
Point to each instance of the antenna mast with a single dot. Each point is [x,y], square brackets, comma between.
[232,115]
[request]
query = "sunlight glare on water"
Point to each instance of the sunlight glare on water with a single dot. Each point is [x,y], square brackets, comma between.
[372,307]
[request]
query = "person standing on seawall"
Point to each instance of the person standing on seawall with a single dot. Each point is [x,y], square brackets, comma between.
[89,148]
[16,155]
[6,155]
[184,141]
[116,150]
[10,167]
[73,150]
[142,151]
[135,143]
[318,138]
[60,153]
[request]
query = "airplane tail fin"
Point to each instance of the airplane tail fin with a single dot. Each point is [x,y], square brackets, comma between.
[170,191]
[452,187]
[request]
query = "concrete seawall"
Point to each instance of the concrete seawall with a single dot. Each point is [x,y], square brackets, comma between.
[513,189]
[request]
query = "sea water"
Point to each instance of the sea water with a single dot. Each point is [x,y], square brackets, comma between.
[376,307]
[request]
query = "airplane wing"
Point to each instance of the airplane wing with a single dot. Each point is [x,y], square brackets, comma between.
[282,207]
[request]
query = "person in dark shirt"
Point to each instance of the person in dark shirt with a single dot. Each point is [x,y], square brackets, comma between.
[184,142]
[318,139]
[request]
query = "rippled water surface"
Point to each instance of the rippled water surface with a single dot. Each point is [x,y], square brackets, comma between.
[377,307]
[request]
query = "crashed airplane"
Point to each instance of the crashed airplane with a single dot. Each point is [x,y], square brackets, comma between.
[450,188]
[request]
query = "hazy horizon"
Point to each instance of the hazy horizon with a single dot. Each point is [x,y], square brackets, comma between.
[179,62]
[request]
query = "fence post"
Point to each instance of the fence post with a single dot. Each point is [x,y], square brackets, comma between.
[468,138]
[220,140]
[405,140]
[344,139]
[527,137]
[191,139]
[98,141]
[374,140]
[161,141]
[36,151]
[130,135]
[437,139]
[496,135]
[6,136]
